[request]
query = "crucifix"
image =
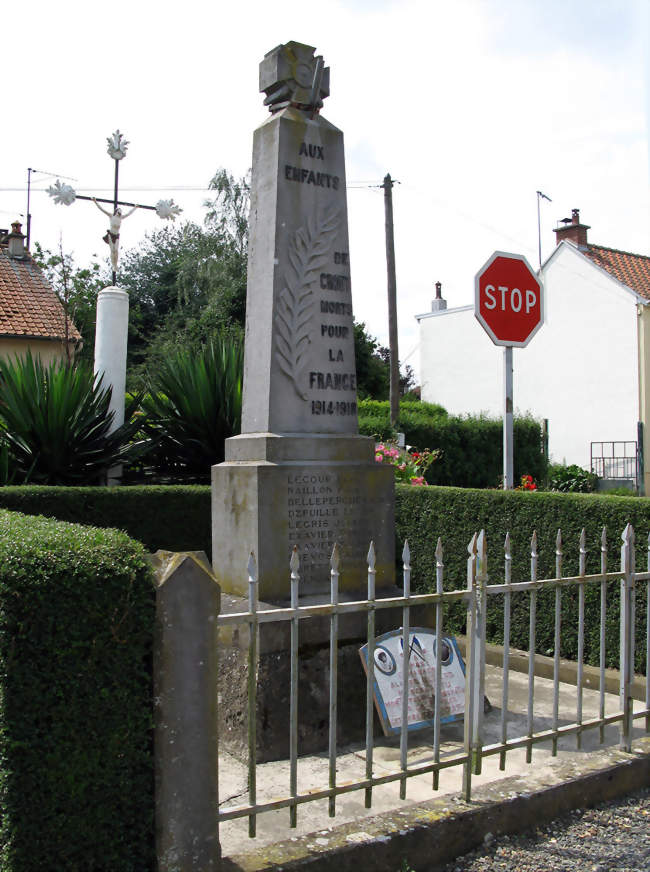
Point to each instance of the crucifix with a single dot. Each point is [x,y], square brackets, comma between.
[66,195]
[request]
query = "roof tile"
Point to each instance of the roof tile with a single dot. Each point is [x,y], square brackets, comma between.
[632,270]
[28,305]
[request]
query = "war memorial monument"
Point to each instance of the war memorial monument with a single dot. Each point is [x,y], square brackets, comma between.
[299,474]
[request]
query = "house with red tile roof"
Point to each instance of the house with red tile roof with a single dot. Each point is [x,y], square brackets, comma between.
[587,370]
[31,315]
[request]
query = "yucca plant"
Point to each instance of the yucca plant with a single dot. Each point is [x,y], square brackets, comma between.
[7,474]
[56,423]
[194,405]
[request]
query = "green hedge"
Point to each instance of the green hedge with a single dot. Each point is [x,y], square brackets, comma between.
[454,514]
[174,518]
[76,769]
[178,518]
[472,448]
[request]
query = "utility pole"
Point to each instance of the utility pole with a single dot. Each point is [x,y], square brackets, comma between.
[392,302]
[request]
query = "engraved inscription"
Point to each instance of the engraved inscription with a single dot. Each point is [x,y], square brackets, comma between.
[329,282]
[307,254]
[323,407]
[333,381]
[328,307]
[309,177]
[309,150]
[324,508]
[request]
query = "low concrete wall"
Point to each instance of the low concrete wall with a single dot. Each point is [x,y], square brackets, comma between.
[433,833]
[518,661]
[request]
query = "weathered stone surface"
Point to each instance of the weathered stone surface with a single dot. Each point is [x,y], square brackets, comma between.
[268,508]
[272,702]
[299,474]
[299,371]
[185,712]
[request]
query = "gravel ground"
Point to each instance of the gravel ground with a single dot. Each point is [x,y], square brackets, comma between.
[613,837]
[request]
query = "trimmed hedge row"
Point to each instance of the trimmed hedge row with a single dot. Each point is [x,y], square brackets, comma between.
[76,767]
[472,448]
[178,518]
[171,517]
[454,514]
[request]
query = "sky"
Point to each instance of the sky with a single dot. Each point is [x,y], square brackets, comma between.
[471,105]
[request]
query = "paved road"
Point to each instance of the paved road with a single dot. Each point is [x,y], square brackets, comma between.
[613,837]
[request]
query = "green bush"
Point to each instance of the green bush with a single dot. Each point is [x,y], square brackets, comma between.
[193,406]
[76,768]
[455,514]
[571,479]
[173,518]
[472,448]
[57,423]
[178,518]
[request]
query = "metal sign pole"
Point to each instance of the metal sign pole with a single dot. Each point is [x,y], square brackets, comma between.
[508,464]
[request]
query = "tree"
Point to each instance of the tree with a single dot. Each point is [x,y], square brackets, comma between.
[188,283]
[373,376]
[77,289]
[373,367]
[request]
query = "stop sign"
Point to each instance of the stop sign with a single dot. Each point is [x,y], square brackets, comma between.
[508,299]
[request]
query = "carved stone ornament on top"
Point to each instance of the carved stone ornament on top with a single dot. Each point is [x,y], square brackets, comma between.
[290,75]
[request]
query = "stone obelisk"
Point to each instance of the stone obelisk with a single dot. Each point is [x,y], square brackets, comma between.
[299,474]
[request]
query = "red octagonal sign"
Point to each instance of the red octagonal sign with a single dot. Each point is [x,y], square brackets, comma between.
[509,299]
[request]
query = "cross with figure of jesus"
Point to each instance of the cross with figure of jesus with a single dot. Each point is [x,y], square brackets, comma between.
[66,195]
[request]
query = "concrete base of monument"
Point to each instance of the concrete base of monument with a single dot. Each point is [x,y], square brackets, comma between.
[273,679]
[312,491]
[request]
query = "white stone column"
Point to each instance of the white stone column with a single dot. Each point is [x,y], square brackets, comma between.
[111,335]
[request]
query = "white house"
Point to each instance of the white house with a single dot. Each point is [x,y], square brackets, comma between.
[587,370]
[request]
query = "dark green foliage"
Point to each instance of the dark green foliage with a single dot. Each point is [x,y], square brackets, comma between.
[455,514]
[76,768]
[194,406]
[187,283]
[416,420]
[77,289]
[170,518]
[373,367]
[57,421]
[472,448]
[571,479]
[373,376]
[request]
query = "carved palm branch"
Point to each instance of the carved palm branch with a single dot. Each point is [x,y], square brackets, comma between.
[309,250]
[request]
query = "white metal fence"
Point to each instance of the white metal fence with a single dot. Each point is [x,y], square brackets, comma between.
[475,595]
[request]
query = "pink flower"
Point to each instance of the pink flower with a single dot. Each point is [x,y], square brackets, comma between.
[417,480]
[378,458]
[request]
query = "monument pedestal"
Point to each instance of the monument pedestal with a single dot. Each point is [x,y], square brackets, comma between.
[275,492]
[308,491]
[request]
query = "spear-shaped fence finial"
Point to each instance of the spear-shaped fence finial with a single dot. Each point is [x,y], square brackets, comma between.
[438,552]
[371,557]
[406,554]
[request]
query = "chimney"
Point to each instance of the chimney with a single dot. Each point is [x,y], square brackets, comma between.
[438,304]
[16,242]
[573,231]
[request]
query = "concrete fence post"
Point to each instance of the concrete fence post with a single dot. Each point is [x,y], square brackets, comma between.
[185,713]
